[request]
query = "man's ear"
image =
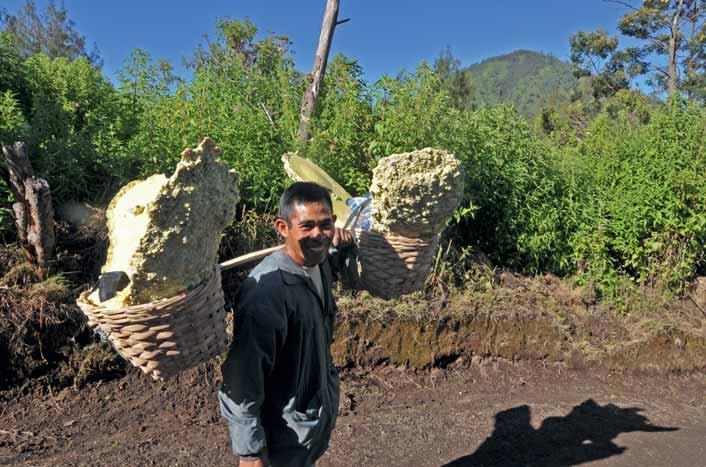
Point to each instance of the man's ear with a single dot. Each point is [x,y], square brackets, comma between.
[282,227]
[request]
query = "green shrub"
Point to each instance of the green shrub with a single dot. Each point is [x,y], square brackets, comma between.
[514,191]
[643,207]
[252,92]
[411,112]
[13,126]
[72,126]
[151,118]
[12,77]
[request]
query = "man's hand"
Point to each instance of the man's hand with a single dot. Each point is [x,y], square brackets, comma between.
[252,463]
[342,237]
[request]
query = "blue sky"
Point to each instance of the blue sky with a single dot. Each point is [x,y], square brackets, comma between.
[385,36]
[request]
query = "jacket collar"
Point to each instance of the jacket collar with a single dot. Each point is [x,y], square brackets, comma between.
[287,264]
[297,275]
[284,262]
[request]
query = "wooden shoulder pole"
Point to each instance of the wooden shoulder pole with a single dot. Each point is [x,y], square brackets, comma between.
[248,258]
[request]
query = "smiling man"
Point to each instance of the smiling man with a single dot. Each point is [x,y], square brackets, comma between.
[280,387]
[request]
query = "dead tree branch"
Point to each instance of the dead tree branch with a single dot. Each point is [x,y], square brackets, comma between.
[318,70]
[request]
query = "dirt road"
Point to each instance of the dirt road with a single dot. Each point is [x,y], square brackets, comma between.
[478,414]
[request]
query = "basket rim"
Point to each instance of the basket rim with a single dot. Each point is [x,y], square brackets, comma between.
[82,301]
[423,240]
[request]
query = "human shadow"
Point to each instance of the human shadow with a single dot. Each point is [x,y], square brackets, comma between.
[586,434]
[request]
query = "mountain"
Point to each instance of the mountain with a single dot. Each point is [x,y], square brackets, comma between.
[528,80]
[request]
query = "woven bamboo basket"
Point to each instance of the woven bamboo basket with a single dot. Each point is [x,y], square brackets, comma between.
[391,265]
[168,336]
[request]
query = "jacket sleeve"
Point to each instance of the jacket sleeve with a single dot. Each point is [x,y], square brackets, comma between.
[343,265]
[260,328]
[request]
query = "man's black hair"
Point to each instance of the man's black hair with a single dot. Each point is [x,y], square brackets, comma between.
[302,192]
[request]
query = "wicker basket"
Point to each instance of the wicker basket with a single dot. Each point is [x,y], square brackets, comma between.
[391,265]
[167,336]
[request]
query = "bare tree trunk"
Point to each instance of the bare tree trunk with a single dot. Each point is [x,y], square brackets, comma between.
[18,169]
[693,17]
[40,226]
[318,70]
[673,37]
[34,214]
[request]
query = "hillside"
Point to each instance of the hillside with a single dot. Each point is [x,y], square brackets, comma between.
[529,80]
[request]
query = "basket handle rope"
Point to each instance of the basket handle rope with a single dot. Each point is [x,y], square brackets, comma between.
[352,220]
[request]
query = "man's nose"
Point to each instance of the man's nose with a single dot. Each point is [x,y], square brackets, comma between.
[317,231]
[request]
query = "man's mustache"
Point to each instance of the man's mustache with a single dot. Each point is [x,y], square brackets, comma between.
[311,243]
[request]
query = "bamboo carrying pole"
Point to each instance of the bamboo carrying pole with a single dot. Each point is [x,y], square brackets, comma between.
[247,258]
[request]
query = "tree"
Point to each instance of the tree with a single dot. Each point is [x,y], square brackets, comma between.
[455,81]
[693,80]
[671,48]
[659,25]
[593,54]
[318,70]
[50,32]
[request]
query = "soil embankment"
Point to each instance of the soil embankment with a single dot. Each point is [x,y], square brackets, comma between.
[538,319]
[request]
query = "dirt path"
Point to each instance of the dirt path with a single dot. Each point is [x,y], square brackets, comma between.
[486,413]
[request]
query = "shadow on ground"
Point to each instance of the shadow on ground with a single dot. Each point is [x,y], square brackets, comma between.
[585,434]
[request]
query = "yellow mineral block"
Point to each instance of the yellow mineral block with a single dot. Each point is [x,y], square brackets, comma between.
[164,232]
[415,193]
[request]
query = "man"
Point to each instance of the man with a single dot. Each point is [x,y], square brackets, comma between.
[280,387]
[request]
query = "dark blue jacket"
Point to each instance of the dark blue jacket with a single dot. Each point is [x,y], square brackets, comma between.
[280,387]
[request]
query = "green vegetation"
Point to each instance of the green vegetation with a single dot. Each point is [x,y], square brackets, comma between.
[608,187]
[668,47]
[640,210]
[530,81]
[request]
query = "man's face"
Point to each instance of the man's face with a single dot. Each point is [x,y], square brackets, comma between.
[309,232]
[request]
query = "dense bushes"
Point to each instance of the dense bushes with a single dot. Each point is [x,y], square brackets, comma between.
[245,95]
[513,191]
[73,124]
[619,197]
[68,113]
[642,203]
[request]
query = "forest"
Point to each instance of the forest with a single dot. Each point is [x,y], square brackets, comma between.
[596,178]
[592,171]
